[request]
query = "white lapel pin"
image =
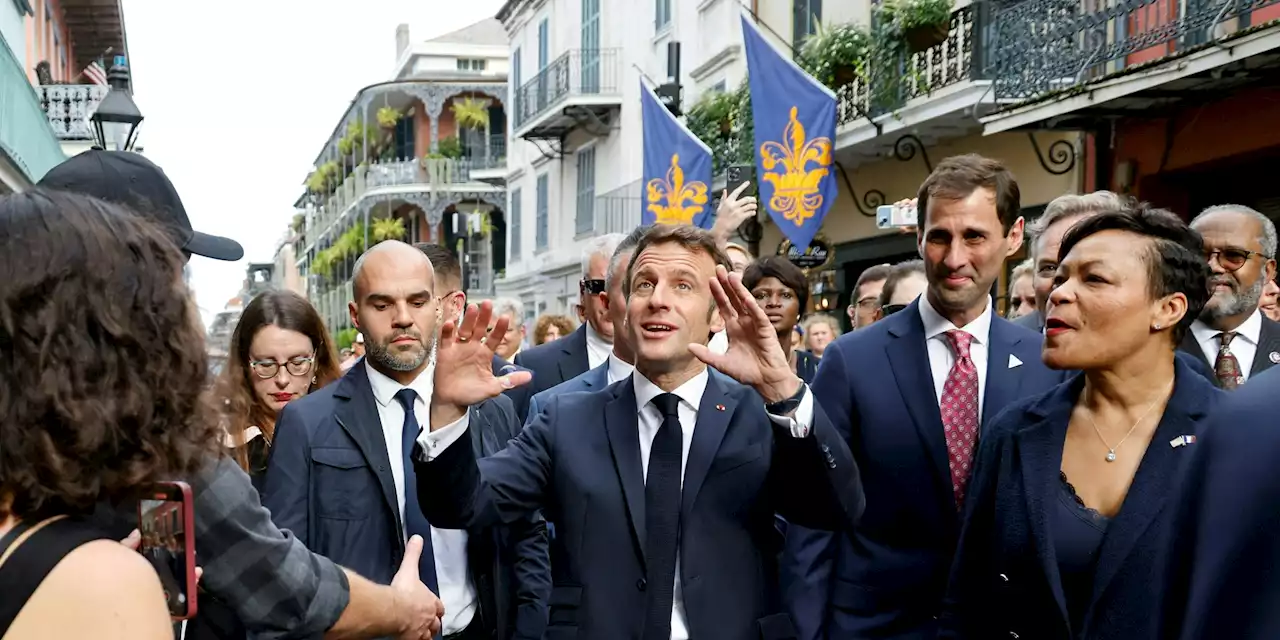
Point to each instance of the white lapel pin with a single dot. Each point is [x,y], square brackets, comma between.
[1014,361]
[1274,357]
[1182,441]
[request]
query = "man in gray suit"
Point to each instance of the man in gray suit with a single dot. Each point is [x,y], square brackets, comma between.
[1045,234]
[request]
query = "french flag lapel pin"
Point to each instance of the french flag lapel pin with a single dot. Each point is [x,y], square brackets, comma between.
[1182,441]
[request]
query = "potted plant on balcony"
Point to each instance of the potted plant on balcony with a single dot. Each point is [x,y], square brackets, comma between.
[449,147]
[388,117]
[923,23]
[298,221]
[471,113]
[387,229]
[836,55]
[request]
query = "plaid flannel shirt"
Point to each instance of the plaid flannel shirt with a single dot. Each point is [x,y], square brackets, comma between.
[276,586]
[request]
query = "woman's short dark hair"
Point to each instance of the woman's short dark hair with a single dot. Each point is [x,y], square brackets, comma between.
[241,406]
[1174,254]
[791,277]
[104,359]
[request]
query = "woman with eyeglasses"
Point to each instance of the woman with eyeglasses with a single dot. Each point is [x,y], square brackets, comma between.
[280,351]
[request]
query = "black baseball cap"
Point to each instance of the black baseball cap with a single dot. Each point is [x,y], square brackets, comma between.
[128,178]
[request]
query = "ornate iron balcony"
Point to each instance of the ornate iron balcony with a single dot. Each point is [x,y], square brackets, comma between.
[957,59]
[1046,47]
[589,72]
[69,107]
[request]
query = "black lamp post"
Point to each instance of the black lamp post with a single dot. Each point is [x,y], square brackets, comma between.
[117,118]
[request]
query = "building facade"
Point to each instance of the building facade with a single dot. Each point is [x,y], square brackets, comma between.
[575,161]
[47,100]
[1178,108]
[421,157]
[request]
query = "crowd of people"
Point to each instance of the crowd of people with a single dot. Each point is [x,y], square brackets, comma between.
[697,458]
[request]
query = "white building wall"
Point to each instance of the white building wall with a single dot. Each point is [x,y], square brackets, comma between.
[546,281]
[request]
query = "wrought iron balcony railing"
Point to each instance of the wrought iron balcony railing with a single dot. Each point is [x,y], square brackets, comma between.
[589,72]
[892,83]
[1043,47]
[69,107]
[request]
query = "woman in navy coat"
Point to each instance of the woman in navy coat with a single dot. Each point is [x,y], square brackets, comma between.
[1066,524]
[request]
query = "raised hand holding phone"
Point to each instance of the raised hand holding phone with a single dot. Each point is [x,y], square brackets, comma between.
[166,528]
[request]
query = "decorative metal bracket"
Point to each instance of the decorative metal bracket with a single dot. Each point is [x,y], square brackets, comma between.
[1061,158]
[906,148]
[870,200]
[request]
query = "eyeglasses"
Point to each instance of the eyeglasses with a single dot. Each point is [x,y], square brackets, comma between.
[591,286]
[890,309]
[1231,258]
[267,369]
[868,302]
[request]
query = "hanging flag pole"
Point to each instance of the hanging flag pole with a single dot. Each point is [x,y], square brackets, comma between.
[794,122]
[677,167]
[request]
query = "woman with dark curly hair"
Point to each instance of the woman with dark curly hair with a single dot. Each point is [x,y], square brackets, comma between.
[1065,534]
[280,351]
[100,394]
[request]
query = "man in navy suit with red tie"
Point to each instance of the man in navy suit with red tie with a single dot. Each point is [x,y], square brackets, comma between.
[911,394]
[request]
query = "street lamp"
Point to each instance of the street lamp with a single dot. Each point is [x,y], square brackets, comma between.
[117,117]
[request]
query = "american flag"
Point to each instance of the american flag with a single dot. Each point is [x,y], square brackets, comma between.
[95,73]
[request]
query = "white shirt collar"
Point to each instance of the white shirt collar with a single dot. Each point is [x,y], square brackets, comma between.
[594,339]
[936,325]
[385,389]
[690,392]
[1250,329]
[618,369]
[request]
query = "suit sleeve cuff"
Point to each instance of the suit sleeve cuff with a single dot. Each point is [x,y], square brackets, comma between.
[434,443]
[799,422]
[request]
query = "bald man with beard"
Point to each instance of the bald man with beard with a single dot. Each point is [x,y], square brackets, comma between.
[340,477]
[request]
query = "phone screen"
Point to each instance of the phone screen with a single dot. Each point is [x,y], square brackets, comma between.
[165,544]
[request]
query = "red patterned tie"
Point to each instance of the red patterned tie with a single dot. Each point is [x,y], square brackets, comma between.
[960,412]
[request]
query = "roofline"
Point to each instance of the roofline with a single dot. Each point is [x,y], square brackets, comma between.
[509,7]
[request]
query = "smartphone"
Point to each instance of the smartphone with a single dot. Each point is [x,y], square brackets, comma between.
[737,174]
[166,522]
[892,216]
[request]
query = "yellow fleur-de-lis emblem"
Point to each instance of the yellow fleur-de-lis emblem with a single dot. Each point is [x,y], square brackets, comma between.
[795,185]
[671,200]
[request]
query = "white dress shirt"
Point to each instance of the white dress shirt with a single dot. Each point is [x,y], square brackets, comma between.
[941,358]
[618,370]
[719,343]
[449,546]
[598,349]
[1244,346]
[648,422]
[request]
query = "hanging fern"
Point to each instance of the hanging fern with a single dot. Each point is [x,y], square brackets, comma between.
[471,113]
[388,117]
[387,229]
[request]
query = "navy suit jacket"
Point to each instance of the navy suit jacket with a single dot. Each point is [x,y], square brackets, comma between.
[593,380]
[1005,581]
[1227,560]
[551,363]
[329,482]
[875,387]
[579,459]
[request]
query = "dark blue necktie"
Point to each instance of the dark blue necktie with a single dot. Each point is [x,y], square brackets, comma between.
[662,518]
[414,522]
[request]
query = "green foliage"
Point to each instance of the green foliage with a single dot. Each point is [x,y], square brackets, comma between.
[387,229]
[836,55]
[911,14]
[723,121]
[449,147]
[345,338]
[325,178]
[470,113]
[388,117]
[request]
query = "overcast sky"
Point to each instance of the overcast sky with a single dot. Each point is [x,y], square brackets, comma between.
[240,95]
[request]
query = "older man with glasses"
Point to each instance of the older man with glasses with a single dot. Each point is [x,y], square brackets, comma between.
[1232,335]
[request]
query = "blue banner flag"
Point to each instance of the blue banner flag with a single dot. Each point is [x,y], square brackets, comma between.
[795,125]
[677,168]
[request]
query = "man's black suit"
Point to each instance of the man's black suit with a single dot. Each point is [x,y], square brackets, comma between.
[551,363]
[330,483]
[579,459]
